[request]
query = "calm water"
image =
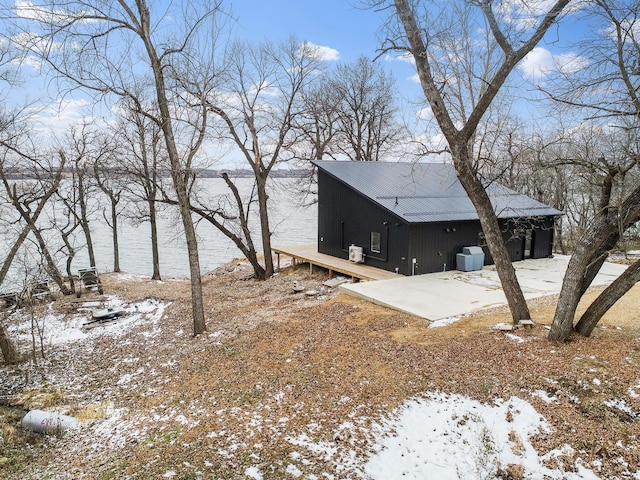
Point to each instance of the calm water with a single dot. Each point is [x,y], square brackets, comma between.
[291,223]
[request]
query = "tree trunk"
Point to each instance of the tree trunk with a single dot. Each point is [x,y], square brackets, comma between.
[607,299]
[460,139]
[8,348]
[265,230]
[576,276]
[51,267]
[592,246]
[495,242]
[13,252]
[197,300]
[84,221]
[42,201]
[178,173]
[155,252]
[116,245]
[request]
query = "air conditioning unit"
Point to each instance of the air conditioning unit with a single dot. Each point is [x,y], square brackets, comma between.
[355,254]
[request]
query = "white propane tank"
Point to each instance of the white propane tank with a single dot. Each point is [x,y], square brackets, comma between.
[47,422]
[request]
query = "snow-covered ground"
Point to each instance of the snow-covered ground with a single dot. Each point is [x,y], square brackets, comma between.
[57,330]
[451,437]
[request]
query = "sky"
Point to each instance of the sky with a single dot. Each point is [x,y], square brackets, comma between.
[337,24]
[343,29]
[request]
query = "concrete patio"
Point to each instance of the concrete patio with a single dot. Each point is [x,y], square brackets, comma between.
[437,296]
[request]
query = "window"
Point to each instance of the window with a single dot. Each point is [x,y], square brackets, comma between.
[375,242]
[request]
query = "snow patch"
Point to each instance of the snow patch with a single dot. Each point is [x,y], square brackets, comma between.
[59,330]
[543,395]
[443,322]
[513,337]
[253,472]
[451,436]
[293,470]
[621,405]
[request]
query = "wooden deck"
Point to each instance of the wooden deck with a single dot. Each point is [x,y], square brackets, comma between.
[309,254]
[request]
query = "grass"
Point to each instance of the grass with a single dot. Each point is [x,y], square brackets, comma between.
[319,365]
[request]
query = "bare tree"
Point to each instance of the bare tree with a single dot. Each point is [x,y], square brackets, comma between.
[141,160]
[461,75]
[317,123]
[613,67]
[109,177]
[9,129]
[366,109]
[110,34]
[81,151]
[257,114]
[29,199]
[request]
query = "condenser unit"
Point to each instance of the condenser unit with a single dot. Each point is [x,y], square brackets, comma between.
[356,254]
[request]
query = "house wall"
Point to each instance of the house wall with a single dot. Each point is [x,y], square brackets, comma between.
[528,238]
[435,245]
[347,218]
[543,238]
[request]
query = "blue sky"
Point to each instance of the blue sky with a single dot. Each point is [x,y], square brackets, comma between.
[332,23]
[344,27]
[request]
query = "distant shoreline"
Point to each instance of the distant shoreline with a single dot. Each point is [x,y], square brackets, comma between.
[18,174]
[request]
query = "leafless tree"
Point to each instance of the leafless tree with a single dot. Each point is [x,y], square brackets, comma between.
[461,73]
[257,107]
[108,174]
[141,160]
[8,134]
[83,148]
[612,51]
[317,123]
[366,109]
[124,47]
[29,199]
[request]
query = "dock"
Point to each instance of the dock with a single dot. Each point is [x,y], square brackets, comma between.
[309,254]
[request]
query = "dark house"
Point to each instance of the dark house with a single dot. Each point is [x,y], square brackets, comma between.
[414,218]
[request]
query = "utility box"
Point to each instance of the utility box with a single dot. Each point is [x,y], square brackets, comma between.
[464,262]
[356,254]
[471,258]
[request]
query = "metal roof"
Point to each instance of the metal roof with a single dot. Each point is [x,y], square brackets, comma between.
[427,192]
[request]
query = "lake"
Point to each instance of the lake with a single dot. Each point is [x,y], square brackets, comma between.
[292,223]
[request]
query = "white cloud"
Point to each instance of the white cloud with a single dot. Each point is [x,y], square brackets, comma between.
[540,63]
[57,117]
[403,57]
[424,113]
[40,13]
[414,78]
[29,40]
[523,13]
[28,61]
[322,52]
[264,88]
